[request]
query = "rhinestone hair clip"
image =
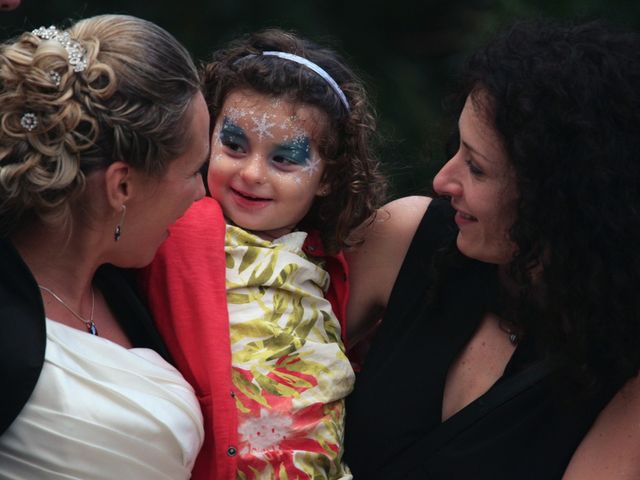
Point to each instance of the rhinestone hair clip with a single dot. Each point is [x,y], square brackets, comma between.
[29,121]
[77,53]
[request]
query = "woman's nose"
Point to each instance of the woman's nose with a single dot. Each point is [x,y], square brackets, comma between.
[446,181]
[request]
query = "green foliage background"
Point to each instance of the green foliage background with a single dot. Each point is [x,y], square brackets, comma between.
[406,51]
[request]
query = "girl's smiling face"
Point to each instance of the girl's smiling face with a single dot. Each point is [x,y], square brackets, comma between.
[265,170]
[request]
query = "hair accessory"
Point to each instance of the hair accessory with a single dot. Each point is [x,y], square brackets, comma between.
[29,121]
[77,53]
[117,233]
[88,322]
[55,77]
[316,68]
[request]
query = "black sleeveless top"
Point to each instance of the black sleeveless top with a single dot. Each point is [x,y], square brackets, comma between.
[519,429]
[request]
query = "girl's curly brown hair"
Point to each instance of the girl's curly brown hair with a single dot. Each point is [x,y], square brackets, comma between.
[357,188]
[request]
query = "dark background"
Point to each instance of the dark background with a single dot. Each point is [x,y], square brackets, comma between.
[407,52]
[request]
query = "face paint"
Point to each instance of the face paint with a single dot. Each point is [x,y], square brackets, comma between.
[232,136]
[290,127]
[263,127]
[276,102]
[235,114]
[297,152]
[313,167]
[268,171]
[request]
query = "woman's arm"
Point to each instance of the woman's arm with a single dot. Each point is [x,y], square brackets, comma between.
[611,449]
[374,264]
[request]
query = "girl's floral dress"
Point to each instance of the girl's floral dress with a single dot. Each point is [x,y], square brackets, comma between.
[290,370]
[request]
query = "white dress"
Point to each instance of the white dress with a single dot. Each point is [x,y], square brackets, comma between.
[101,411]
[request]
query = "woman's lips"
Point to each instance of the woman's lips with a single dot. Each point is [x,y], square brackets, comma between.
[462,218]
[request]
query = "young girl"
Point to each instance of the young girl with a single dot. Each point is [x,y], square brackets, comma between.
[292,170]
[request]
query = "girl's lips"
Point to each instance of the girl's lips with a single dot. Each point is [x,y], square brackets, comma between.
[247,200]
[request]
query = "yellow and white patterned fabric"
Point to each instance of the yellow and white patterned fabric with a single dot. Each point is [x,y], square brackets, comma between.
[290,370]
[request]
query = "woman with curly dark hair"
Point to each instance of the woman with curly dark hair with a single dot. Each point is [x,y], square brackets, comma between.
[293,173]
[511,317]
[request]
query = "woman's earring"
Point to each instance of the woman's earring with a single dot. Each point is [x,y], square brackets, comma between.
[117,233]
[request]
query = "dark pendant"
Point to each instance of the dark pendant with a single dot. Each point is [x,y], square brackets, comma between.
[117,232]
[513,338]
[91,328]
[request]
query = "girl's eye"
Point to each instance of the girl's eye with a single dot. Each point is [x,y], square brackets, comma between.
[284,163]
[281,159]
[232,137]
[293,154]
[233,143]
[474,169]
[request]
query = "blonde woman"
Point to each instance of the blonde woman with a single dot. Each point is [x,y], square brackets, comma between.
[102,135]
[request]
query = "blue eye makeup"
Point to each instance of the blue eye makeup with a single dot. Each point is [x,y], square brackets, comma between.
[232,136]
[284,156]
[298,152]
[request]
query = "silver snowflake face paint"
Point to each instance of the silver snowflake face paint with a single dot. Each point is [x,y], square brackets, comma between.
[293,153]
[232,136]
[265,169]
[262,127]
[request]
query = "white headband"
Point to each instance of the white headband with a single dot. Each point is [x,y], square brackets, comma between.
[316,68]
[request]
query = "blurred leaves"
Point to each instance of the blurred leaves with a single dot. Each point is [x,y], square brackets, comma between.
[406,51]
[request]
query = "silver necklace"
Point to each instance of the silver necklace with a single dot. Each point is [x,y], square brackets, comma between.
[88,322]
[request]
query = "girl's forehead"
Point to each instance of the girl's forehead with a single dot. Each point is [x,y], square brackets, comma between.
[250,109]
[250,99]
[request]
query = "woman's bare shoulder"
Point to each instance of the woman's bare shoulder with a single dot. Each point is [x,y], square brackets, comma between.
[375,261]
[611,448]
[396,219]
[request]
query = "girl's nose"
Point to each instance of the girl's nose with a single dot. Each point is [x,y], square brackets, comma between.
[254,169]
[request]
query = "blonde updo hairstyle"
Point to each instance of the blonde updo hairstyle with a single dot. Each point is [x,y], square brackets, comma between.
[129,104]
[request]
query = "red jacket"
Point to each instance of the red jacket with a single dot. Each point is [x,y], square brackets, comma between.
[185,287]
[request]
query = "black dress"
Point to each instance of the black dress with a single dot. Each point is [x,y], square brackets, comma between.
[519,429]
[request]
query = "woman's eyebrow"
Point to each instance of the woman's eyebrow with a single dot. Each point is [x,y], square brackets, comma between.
[475,151]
